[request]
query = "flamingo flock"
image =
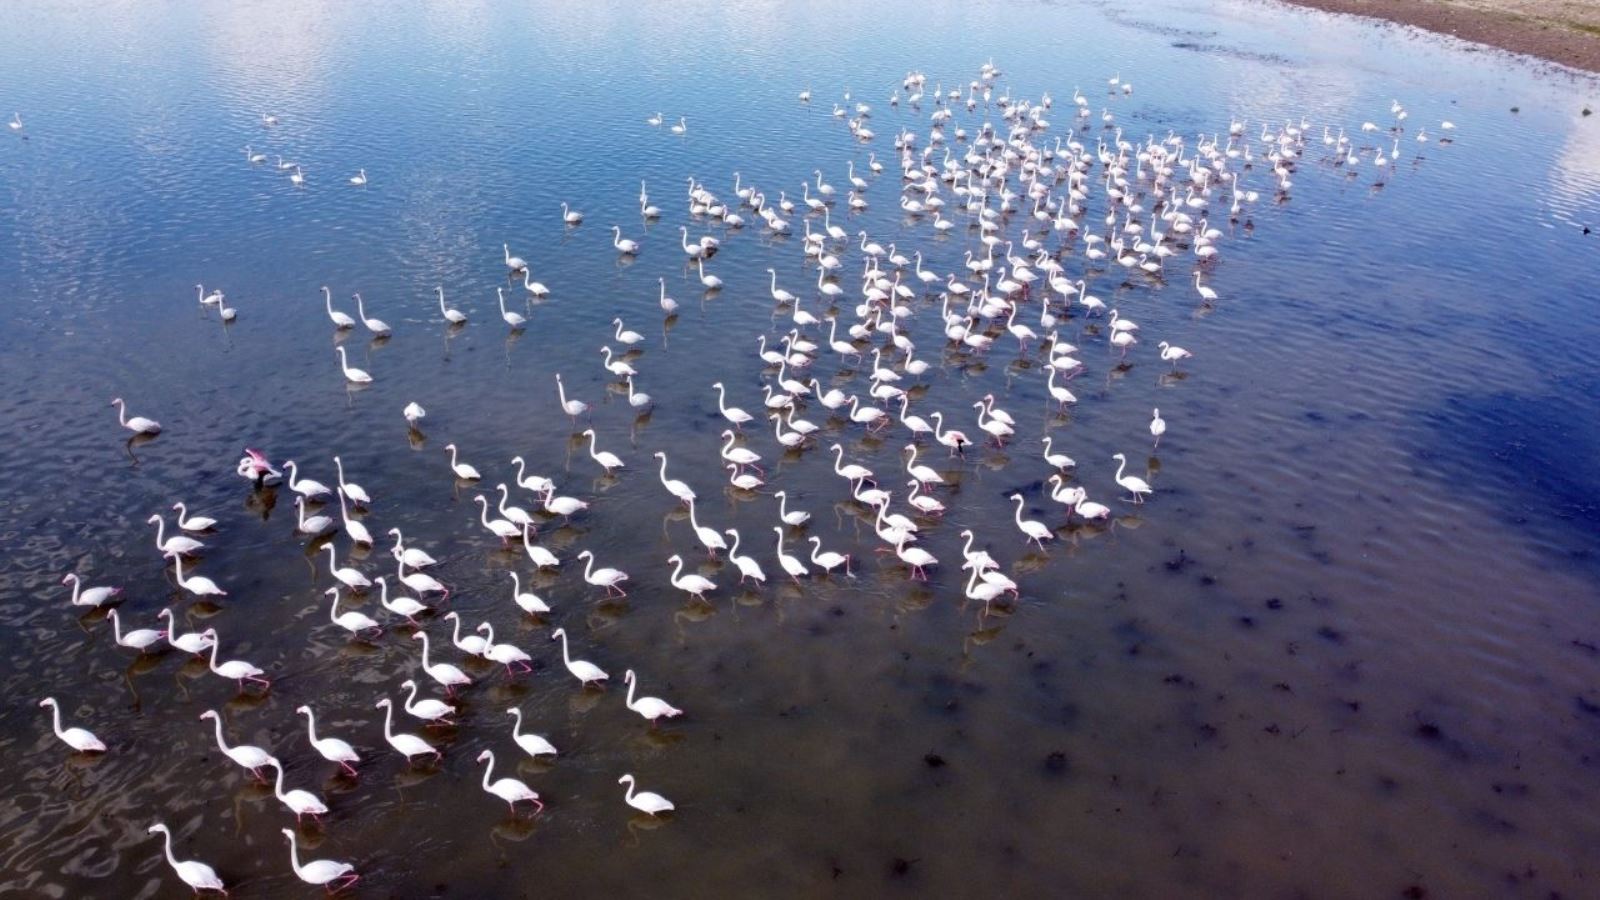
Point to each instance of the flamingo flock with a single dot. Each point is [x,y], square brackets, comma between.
[1048,210]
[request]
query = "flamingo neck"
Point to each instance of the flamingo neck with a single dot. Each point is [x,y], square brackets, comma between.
[170,858]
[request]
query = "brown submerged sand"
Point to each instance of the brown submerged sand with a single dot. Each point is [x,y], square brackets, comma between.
[1563,31]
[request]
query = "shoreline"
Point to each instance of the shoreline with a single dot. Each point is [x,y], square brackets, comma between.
[1559,31]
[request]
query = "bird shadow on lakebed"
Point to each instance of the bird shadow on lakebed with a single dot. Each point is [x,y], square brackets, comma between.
[1536,458]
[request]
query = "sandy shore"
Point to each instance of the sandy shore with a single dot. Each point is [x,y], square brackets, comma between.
[1564,31]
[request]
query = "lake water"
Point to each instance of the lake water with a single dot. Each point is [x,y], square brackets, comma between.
[1351,647]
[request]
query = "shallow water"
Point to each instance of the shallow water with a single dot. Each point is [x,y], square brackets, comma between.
[1349,648]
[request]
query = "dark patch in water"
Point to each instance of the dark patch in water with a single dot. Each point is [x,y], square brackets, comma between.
[1158,28]
[1536,459]
[1055,762]
[1271,59]
[934,761]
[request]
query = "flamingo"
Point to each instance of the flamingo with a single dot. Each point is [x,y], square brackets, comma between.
[733,414]
[531,744]
[955,440]
[514,263]
[305,487]
[828,560]
[137,424]
[332,749]
[1034,530]
[325,872]
[246,756]
[1173,354]
[461,469]
[301,803]
[542,559]
[309,524]
[645,801]
[652,708]
[915,557]
[471,645]
[508,789]
[434,712]
[193,642]
[347,576]
[177,544]
[376,326]
[451,314]
[1136,486]
[237,669]
[505,654]
[411,556]
[81,740]
[195,524]
[407,745]
[607,460]
[352,621]
[446,674]
[695,585]
[402,605]
[95,596]
[197,875]
[573,408]
[341,320]
[199,585]
[748,567]
[517,321]
[140,639]
[358,532]
[608,578]
[791,565]
[586,672]
[674,487]
[708,536]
